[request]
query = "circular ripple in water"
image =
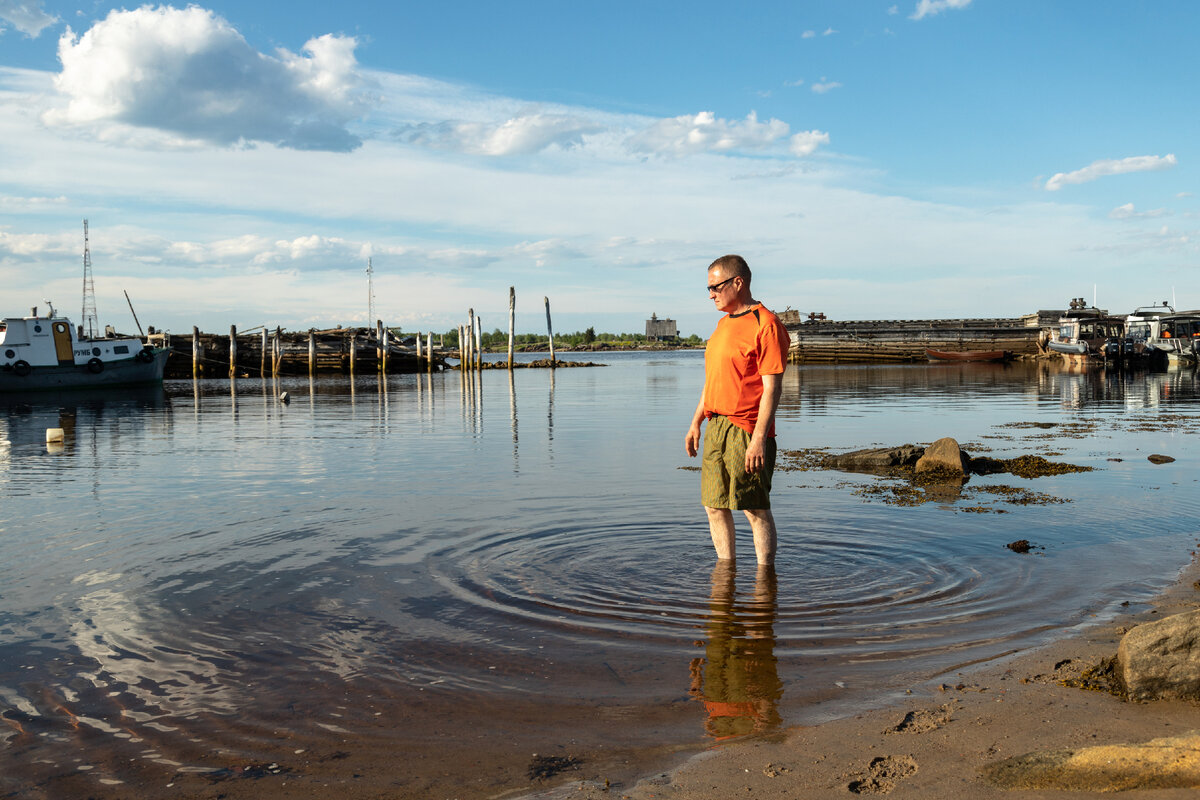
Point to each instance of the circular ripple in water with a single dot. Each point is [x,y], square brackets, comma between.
[865,595]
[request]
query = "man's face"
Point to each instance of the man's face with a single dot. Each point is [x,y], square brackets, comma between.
[723,289]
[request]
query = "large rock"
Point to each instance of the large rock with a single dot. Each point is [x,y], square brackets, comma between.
[1170,763]
[1162,659]
[878,458]
[944,457]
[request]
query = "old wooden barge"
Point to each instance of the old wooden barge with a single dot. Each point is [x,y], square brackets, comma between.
[267,353]
[816,339]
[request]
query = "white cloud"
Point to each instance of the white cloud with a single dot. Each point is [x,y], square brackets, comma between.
[928,8]
[823,86]
[1108,166]
[797,82]
[522,135]
[27,17]
[1127,211]
[189,73]
[829,32]
[805,143]
[808,35]
[893,10]
[704,132]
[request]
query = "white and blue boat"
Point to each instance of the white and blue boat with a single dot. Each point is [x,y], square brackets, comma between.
[47,353]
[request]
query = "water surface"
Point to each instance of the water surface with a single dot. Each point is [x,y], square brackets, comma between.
[412,586]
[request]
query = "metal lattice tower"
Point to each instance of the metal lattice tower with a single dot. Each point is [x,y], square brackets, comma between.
[370,295]
[91,327]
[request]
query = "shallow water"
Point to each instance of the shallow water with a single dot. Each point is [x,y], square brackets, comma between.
[205,585]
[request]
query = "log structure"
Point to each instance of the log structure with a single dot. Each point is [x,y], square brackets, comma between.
[255,353]
[818,340]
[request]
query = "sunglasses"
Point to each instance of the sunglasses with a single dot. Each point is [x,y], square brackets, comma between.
[716,287]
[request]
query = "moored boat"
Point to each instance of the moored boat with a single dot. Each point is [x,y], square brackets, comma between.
[1156,334]
[967,355]
[1088,334]
[46,353]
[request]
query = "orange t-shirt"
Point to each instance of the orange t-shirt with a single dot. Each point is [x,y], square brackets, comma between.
[742,349]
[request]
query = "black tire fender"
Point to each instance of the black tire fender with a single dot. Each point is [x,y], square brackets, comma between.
[145,355]
[21,367]
[95,366]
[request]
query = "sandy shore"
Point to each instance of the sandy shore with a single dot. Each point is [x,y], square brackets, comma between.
[940,739]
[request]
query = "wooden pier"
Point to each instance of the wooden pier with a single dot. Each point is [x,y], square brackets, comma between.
[818,340]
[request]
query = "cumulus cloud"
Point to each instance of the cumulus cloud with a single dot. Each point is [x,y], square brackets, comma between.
[704,132]
[805,143]
[822,86]
[928,8]
[188,72]
[521,135]
[1127,211]
[829,32]
[1109,166]
[28,18]
[808,35]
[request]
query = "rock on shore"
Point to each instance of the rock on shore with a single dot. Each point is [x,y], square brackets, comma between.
[1161,660]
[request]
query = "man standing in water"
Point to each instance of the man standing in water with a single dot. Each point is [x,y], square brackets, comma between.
[743,362]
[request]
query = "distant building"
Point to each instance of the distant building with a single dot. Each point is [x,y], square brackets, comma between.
[661,330]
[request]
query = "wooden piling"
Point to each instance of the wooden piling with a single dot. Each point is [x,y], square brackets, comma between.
[276,352]
[262,367]
[550,330]
[471,338]
[479,344]
[233,351]
[381,333]
[312,353]
[512,318]
[418,351]
[429,348]
[353,352]
[195,351]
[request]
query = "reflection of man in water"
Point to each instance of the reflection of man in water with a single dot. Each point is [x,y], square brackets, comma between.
[743,361]
[737,678]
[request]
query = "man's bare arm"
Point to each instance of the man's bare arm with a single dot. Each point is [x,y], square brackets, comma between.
[756,451]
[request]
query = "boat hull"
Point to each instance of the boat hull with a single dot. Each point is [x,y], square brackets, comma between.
[123,372]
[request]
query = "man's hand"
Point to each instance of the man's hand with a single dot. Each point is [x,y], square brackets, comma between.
[691,442]
[756,455]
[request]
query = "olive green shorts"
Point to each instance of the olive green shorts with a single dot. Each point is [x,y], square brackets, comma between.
[724,482]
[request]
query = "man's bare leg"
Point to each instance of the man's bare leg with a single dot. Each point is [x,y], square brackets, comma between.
[720,525]
[763,525]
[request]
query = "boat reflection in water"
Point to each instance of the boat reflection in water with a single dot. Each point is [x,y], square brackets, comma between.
[737,679]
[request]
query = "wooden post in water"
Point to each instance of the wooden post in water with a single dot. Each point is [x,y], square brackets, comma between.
[379,335]
[262,368]
[479,344]
[418,351]
[471,338]
[312,353]
[233,351]
[429,349]
[550,330]
[276,353]
[512,318]
[195,352]
[353,351]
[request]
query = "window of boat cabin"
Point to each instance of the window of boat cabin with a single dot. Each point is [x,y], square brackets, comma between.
[1139,331]
[1166,330]
[1066,331]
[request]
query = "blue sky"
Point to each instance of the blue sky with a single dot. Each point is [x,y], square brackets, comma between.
[239,163]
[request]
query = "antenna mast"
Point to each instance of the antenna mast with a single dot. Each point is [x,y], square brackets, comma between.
[370,295]
[90,325]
